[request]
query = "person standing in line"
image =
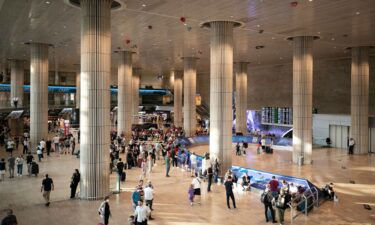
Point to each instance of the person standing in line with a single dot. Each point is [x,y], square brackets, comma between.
[267,199]
[120,168]
[167,163]
[2,169]
[47,187]
[141,213]
[105,211]
[229,191]
[274,186]
[11,165]
[282,204]
[197,187]
[351,146]
[76,178]
[149,196]
[19,163]
[193,162]
[48,146]
[210,175]
[135,198]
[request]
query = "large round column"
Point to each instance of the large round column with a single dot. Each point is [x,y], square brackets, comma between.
[221,89]
[241,97]
[359,99]
[124,97]
[38,93]
[190,87]
[177,101]
[78,89]
[136,80]
[302,98]
[16,81]
[95,95]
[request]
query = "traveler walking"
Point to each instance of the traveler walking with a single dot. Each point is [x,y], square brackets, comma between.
[19,163]
[197,187]
[39,153]
[47,187]
[167,164]
[48,146]
[105,211]
[229,191]
[193,162]
[141,213]
[210,175]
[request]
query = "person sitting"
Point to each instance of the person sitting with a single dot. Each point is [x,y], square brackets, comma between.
[246,183]
[328,192]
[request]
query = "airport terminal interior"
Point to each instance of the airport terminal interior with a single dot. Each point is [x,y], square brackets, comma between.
[187,112]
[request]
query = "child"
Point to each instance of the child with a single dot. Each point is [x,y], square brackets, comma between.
[191,194]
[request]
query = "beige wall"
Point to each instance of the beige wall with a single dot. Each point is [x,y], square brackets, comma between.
[271,85]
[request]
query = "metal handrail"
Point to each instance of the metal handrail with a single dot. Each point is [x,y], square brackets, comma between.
[304,197]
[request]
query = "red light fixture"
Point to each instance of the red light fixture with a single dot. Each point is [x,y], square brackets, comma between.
[182,19]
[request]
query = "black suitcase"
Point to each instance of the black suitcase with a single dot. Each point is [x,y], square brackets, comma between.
[123,176]
[34,168]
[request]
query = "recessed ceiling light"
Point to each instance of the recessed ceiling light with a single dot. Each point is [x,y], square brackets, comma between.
[332,39]
[318,32]
[231,16]
[311,0]
[64,27]
[258,25]
[143,5]
[169,40]
[48,2]
[357,13]
[273,38]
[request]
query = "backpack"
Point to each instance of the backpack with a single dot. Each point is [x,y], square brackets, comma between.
[263,197]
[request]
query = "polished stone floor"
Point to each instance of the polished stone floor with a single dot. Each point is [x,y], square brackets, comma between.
[171,204]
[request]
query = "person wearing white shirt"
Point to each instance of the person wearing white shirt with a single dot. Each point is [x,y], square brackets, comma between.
[56,141]
[141,213]
[149,196]
[197,188]
[193,162]
[43,145]
[293,189]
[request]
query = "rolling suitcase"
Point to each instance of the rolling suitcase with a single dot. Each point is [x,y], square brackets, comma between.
[123,177]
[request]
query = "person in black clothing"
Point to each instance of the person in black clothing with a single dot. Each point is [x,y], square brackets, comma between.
[76,178]
[29,160]
[238,150]
[48,146]
[229,191]
[47,187]
[10,219]
[105,211]
[120,168]
[267,201]
[210,175]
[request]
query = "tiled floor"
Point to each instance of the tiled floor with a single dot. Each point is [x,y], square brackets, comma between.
[171,205]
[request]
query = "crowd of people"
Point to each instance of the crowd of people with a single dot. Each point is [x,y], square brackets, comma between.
[142,150]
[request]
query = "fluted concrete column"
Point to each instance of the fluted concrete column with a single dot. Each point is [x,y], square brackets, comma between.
[360,99]
[124,97]
[221,90]
[95,98]
[177,105]
[38,93]
[241,96]
[190,88]
[16,82]
[302,98]
[78,89]
[136,80]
